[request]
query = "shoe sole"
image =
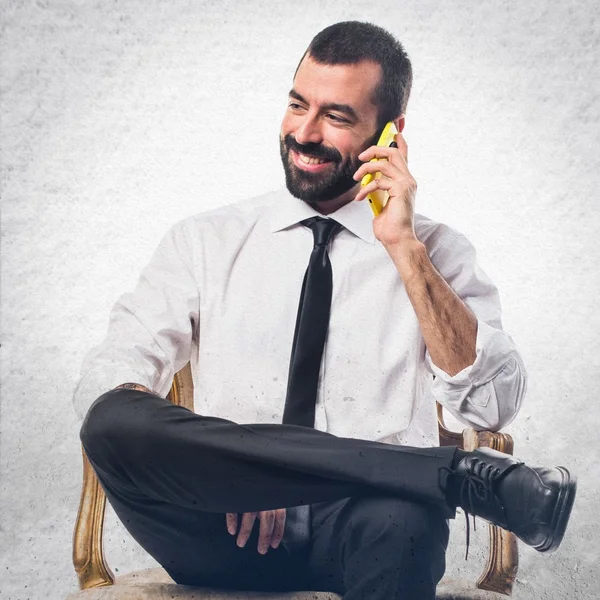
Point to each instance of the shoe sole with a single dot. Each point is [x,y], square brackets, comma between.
[562,512]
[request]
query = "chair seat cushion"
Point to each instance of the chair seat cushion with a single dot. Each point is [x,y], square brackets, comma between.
[155,584]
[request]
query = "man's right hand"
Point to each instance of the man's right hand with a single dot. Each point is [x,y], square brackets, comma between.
[134,386]
[272,526]
[272,522]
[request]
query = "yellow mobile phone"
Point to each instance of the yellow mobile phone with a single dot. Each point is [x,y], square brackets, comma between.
[378,198]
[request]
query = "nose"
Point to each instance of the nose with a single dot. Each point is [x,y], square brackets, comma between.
[309,131]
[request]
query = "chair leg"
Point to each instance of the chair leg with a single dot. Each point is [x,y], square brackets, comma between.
[503,561]
[88,553]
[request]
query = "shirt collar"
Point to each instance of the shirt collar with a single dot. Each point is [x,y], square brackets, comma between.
[287,210]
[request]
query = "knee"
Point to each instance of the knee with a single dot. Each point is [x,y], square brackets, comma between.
[403,539]
[416,526]
[111,419]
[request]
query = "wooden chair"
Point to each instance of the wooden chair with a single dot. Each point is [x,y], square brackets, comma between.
[97,581]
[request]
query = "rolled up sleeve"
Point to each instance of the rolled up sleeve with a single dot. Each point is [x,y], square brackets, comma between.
[151,329]
[488,394]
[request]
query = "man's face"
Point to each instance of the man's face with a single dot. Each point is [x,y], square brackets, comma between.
[330,120]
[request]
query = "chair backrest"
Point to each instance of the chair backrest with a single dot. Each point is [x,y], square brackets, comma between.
[88,551]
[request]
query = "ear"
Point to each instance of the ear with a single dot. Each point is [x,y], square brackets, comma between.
[399,122]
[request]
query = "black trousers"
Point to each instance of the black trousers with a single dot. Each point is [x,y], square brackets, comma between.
[378,513]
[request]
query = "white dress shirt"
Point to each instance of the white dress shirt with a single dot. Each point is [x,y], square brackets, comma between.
[222,290]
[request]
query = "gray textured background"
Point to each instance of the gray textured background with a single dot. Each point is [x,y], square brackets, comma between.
[120,118]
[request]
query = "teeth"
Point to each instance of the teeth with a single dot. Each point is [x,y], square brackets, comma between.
[309,160]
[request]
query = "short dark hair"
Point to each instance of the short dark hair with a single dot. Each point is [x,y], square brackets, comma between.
[351,42]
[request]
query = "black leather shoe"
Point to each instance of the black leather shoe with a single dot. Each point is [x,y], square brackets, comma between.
[533,502]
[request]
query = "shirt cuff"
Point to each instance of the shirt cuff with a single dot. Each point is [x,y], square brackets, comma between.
[493,347]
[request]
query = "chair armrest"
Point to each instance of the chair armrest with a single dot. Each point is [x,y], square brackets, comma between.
[182,390]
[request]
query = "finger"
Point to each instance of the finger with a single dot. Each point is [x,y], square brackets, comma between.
[376,184]
[279,527]
[267,521]
[389,153]
[246,528]
[396,153]
[376,152]
[232,523]
[393,158]
[382,166]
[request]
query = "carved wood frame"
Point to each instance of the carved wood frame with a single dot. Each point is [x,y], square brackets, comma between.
[88,551]
[501,569]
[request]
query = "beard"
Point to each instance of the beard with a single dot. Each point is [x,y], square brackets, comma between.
[317,187]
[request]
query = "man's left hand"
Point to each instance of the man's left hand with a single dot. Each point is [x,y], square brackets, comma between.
[394,225]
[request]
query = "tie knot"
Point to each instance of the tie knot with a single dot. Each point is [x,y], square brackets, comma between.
[323,229]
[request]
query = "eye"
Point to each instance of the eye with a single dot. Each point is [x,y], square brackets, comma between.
[294,106]
[336,119]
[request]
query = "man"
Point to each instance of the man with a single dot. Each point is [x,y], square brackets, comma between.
[344,431]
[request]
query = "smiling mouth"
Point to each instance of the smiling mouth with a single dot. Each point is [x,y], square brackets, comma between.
[309,161]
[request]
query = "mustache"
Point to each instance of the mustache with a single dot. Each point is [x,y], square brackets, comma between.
[316,150]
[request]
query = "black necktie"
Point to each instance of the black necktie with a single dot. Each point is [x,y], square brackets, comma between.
[312,322]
